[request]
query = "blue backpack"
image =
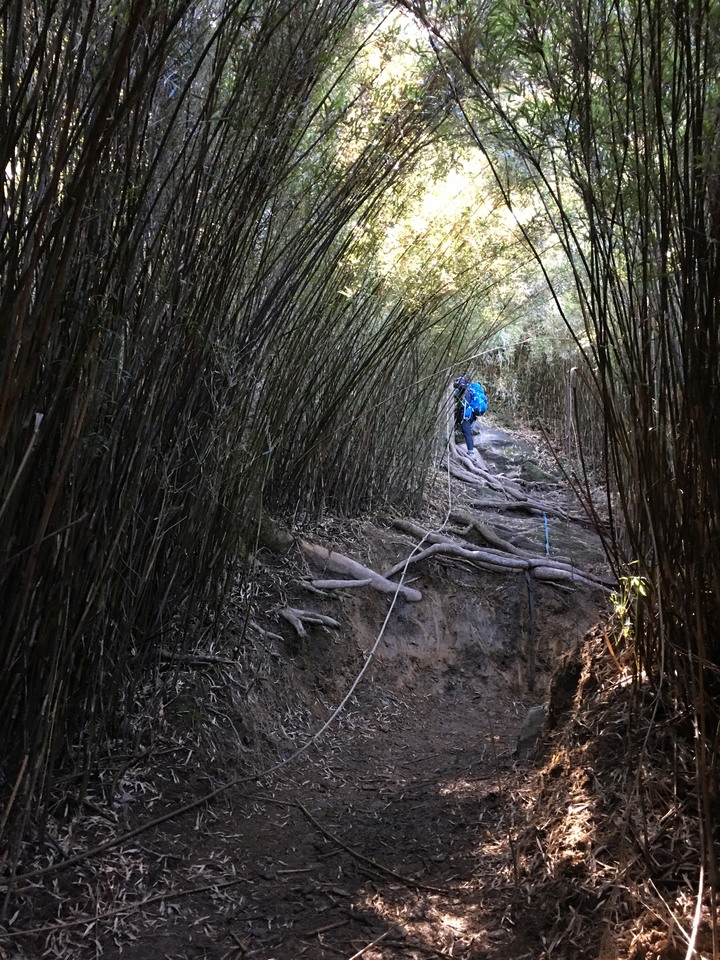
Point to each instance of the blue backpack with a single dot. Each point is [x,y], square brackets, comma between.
[475,398]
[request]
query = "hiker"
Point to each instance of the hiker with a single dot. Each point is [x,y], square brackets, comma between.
[470,403]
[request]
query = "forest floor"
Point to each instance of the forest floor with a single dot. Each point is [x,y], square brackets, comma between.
[422,822]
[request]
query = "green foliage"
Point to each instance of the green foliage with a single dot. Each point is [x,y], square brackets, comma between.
[624,604]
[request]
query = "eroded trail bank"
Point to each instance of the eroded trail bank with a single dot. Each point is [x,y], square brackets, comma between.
[393,834]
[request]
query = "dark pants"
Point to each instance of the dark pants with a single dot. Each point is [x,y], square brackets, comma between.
[466,427]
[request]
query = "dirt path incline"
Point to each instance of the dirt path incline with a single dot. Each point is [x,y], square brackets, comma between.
[393,833]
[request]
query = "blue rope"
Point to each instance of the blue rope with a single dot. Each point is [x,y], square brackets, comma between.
[547,536]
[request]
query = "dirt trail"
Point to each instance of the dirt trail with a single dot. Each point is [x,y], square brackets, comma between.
[395,829]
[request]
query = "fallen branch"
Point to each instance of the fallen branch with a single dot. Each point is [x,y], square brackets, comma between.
[369,946]
[325,929]
[338,563]
[361,858]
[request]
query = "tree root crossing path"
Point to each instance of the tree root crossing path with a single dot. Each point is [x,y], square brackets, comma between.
[281,809]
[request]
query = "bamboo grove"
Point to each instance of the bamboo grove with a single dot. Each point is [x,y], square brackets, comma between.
[612,112]
[177,354]
[184,345]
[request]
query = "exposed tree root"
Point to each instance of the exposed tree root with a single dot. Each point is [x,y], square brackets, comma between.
[265,634]
[486,532]
[542,568]
[340,584]
[472,470]
[298,618]
[338,563]
[531,507]
[449,549]
[500,555]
